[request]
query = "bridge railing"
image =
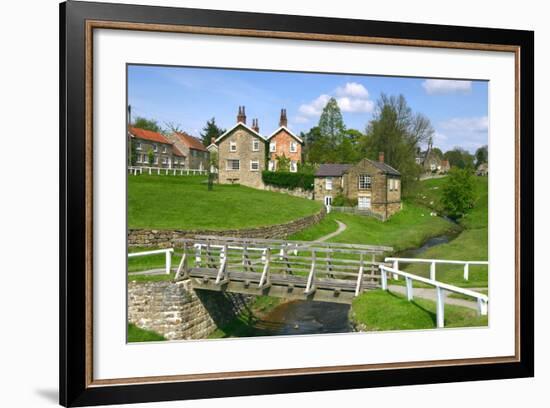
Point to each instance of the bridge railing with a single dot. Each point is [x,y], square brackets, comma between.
[167,252]
[440,287]
[305,264]
[434,262]
[135,170]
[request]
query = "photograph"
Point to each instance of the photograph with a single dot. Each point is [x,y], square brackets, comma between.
[284,203]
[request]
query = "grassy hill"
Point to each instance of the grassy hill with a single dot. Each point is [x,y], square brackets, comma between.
[176,202]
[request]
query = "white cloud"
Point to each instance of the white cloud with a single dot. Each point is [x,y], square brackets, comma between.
[446,86]
[352,97]
[352,89]
[300,119]
[468,125]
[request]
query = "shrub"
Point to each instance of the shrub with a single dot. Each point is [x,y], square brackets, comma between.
[342,201]
[458,192]
[288,180]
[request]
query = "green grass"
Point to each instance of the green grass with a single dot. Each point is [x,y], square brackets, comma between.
[137,335]
[409,228]
[151,278]
[461,296]
[380,311]
[471,244]
[184,202]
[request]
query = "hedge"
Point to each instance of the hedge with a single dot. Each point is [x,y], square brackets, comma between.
[288,180]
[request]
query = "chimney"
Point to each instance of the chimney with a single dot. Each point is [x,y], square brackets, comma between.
[283,120]
[255,126]
[241,117]
[381,157]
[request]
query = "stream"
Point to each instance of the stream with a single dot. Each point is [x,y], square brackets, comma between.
[310,317]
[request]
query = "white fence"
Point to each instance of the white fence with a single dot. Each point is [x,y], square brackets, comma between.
[434,262]
[168,256]
[441,288]
[135,170]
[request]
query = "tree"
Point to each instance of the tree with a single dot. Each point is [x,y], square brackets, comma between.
[482,155]
[460,158]
[147,124]
[331,123]
[458,192]
[171,127]
[283,163]
[397,131]
[151,157]
[133,153]
[214,159]
[211,130]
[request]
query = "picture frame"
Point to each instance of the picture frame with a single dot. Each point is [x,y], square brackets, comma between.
[78,20]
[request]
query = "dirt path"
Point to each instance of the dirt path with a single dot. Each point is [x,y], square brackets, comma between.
[341,228]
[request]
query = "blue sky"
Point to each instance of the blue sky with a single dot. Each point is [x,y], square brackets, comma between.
[190,96]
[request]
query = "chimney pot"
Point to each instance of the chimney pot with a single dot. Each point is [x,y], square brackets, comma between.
[241,116]
[381,157]
[283,120]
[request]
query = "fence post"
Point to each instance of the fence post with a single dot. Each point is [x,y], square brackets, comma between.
[482,307]
[384,278]
[409,284]
[168,261]
[396,266]
[466,271]
[440,307]
[432,271]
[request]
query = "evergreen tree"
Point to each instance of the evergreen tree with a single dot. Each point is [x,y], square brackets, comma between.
[331,123]
[482,155]
[211,130]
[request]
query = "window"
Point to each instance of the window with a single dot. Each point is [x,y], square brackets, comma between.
[164,149]
[156,161]
[144,159]
[255,145]
[271,165]
[164,160]
[232,146]
[175,161]
[293,147]
[364,182]
[155,147]
[273,147]
[363,202]
[293,167]
[328,200]
[254,165]
[328,183]
[138,146]
[138,160]
[233,165]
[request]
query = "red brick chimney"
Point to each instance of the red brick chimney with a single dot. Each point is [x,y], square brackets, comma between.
[255,126]
[241,117]
[283,120]
[381,157]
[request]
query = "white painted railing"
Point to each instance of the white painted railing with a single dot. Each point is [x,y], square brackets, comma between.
[434,262]
[441,288]
[135,170]
[168,256]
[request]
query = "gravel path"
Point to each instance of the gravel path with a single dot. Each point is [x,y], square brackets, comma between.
[341,228]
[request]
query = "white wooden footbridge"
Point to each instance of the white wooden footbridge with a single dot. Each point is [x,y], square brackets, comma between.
[302,270]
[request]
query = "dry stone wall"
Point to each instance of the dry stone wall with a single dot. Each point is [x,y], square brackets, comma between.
[178,312]
[165,238]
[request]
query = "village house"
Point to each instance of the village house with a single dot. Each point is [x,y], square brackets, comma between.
[164,154]
[429,160]
[374,184]
[192,148]
[241,153]
[284,143]
[482,169]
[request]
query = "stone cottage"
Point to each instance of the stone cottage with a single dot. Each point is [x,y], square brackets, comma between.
[164,153]
[283,142]
[374,184]
[196,154]
[429,160]
[241,154]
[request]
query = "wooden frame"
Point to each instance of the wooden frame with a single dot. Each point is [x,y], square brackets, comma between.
[77,22]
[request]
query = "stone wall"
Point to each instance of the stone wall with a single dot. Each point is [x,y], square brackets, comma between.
[178,312]
[165,238]
[297,192]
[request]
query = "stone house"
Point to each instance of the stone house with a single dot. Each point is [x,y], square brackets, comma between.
[445,166]
[165,153]
[374,184]
[283,142]
[482,169]
[429,160]
[196,154]
[241,154]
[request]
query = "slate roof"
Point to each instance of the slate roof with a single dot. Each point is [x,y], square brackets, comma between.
[332,170]
[190,141]
[385,168]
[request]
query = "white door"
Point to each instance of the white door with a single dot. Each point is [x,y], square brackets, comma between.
[328,200]
[363,202]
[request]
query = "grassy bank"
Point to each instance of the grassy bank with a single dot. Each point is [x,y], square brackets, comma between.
[409,228]
[184,202]
[380,311]
[137,335]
